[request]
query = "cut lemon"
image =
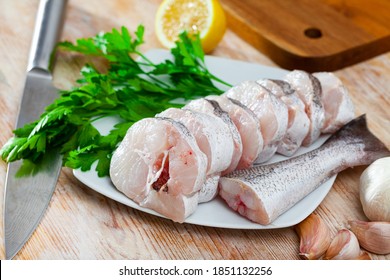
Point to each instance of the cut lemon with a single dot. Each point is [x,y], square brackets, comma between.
[205,17]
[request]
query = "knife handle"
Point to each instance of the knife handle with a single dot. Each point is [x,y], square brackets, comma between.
[47,29]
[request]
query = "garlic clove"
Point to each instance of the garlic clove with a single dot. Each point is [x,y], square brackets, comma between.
[344,246]
[314,237]
[372,236]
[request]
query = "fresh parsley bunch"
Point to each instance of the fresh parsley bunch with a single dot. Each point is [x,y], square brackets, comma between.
[132,88]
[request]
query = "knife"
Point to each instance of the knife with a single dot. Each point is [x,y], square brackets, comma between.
[27,197]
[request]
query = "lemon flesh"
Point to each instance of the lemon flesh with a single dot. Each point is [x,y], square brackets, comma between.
[205,17]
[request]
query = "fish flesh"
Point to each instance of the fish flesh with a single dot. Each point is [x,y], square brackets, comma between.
[159,165]
[270,111]
[337,103]
[298,121]
[210,134]
[213,139]
[212,108]
[248,126]
[262,193]
[308,88]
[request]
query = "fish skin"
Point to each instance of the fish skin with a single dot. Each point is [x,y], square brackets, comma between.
[209,189]
[308,88]
[298,121]
[248,126]
[338,105]
[212,107]
[214,141]
[271,112]
[262,193]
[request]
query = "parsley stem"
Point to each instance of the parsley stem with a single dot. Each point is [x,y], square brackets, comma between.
[145,59]
[215,78]
[151,76]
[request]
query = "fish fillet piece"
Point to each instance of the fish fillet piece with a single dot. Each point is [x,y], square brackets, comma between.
[309,91]
[298,122]
[160,166]
[263,193]
[248,126]
[338,105]
[270,111]
[209,189]
[213,139]
[212,108]
[174,207]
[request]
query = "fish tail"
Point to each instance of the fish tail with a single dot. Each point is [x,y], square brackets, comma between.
[357,132]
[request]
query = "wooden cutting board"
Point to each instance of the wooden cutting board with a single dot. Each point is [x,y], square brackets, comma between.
[313,35]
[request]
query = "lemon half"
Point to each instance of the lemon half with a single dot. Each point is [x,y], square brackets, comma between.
[205,17]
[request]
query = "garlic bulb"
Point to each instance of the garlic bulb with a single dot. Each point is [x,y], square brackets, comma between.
[375,190]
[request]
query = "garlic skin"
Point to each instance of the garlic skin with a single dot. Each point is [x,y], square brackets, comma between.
[375,190]
[364,256]
[314,237]
[344,246]
[372,236]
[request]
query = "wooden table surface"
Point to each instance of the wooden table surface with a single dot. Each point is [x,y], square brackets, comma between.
[82,224]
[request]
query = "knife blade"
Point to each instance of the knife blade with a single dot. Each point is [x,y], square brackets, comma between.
[27,197]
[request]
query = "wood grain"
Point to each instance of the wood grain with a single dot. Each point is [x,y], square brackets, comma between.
[82,224]
[313,35]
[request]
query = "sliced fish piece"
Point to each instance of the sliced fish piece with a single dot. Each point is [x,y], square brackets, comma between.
[160,166]
[308,89]
[210,134]
[298,122]
[248,126]
[338,105]
[263,193]
[212,108]
[209,189]
[213,139]
[174,207]
[270,111]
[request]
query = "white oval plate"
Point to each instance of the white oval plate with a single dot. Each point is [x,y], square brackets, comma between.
[216,213]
